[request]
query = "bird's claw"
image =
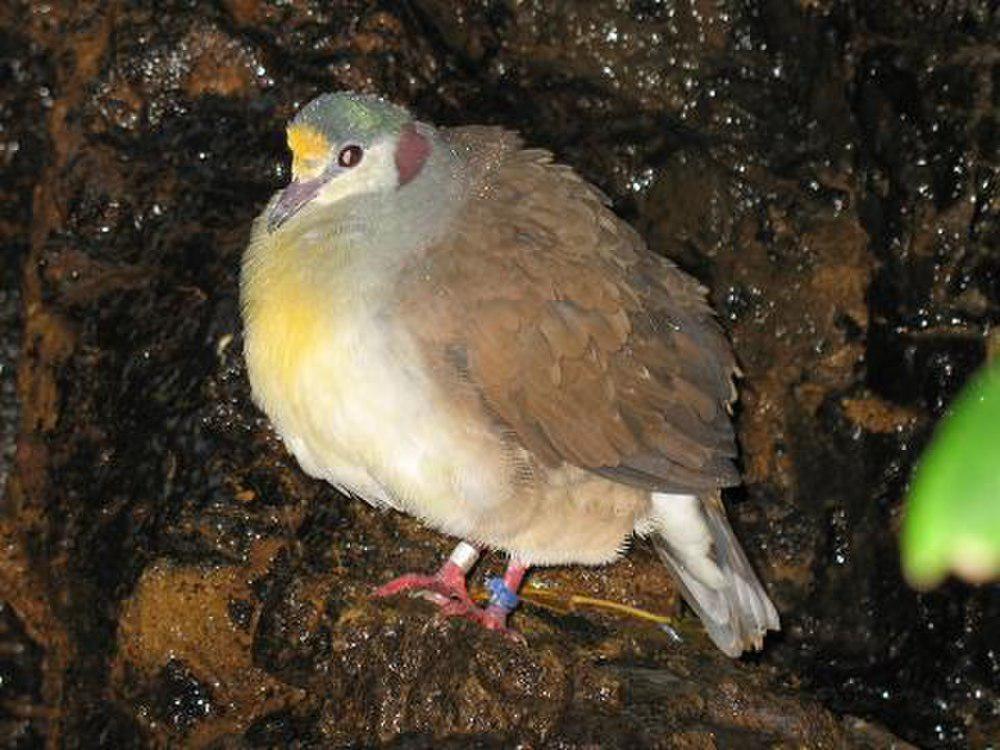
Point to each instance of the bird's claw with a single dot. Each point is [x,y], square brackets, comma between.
[442,588]
[490,617]
[447,589]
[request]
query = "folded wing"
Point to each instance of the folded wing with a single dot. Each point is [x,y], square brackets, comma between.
[586,347]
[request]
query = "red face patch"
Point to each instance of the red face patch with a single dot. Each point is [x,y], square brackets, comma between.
[411,153]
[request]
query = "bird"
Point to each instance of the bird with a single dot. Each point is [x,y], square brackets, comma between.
[446,323]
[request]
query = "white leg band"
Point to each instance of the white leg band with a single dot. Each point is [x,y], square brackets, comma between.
[464,556]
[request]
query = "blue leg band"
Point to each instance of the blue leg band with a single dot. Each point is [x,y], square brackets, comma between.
[500,595]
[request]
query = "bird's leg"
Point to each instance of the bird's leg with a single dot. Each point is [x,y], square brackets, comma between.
[503,598]
[446,588]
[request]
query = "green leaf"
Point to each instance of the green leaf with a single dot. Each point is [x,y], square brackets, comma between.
[952,522]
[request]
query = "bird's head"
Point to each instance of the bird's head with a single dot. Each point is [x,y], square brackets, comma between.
[346,144]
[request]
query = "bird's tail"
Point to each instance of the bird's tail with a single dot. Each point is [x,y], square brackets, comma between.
[697,544]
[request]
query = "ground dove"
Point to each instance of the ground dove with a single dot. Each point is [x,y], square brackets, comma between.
[446,323]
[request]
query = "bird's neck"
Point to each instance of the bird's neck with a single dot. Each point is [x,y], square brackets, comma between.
[348,254]
[386,229]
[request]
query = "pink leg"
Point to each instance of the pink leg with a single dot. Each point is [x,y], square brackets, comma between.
[446,588]
[503,599]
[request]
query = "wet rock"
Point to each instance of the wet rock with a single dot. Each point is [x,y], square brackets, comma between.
[20,683]
[183,663]
[24,97]
[171,577]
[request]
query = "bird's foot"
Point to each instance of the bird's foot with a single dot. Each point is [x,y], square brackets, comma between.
[493,616]
[446,588]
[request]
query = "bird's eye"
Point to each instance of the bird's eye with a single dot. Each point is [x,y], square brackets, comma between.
[350,156]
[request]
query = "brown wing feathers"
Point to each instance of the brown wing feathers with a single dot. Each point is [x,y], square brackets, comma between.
[588,348]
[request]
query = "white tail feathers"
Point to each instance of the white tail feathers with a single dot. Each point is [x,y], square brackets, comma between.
[695,541]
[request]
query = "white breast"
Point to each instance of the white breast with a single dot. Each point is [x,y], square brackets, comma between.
[352,401]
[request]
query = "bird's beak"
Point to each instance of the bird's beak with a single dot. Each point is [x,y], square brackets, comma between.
[292,198]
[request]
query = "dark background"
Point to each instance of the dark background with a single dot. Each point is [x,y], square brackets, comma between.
[829,169]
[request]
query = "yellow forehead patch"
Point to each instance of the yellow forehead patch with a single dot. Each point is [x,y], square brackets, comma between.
[309,149]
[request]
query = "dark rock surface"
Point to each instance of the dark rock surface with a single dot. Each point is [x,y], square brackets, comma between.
[169,577]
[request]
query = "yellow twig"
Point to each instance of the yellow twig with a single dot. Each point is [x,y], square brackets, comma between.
[565,603]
